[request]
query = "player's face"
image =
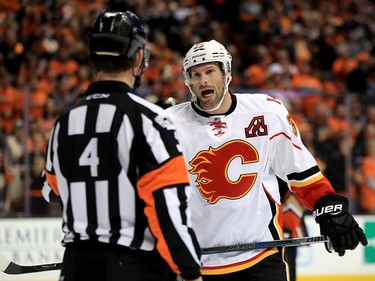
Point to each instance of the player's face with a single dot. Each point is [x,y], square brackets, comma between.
[207,82]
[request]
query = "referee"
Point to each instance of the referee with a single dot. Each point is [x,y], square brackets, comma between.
[115,164]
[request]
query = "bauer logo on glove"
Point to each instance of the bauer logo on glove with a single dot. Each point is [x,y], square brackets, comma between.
[331,210]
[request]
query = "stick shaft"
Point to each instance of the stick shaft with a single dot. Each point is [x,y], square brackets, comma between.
[10,267]
[266,244]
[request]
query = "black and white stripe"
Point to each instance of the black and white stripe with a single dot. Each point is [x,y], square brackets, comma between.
[98,190]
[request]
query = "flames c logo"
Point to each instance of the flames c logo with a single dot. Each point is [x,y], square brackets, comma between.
[213,167]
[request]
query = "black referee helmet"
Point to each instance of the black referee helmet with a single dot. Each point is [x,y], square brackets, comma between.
[117,34]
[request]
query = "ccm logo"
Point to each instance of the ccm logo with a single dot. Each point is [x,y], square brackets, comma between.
[330,209]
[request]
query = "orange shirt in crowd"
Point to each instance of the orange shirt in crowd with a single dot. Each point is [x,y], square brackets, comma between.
[19,102]
[311,85]
[47,85]
[257,76]
[11,5]
[168,88]
[38,99]
[61,68]
[367,200]
[342,66]
[338,125]
[152,72]
[305,82]
[7,95]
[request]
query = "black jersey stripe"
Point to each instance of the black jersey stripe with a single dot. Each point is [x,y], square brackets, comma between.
[305,174]
[271,224]
[91,209]
[140,225]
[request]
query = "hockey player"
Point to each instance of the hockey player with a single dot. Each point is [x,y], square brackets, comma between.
[236,145]
[115,163]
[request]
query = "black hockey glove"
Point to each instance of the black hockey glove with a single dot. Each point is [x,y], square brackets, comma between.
[331,212]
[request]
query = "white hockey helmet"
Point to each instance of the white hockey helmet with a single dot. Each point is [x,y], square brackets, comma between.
[204,52]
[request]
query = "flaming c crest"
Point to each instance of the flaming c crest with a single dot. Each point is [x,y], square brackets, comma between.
[211,167]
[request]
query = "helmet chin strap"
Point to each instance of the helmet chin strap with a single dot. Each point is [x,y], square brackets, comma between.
[195,99]
[137,79]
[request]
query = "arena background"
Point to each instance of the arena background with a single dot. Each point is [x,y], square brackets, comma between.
[332,40]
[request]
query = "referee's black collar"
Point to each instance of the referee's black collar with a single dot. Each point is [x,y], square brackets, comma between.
[206,114]
[108,86]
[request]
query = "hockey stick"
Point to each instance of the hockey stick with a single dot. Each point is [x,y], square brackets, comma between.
[10,267]
[266,244]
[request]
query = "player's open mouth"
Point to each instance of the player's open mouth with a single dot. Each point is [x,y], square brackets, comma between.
[207,92]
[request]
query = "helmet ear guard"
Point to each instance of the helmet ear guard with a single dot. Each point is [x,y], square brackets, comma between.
[136,42]
[146,58]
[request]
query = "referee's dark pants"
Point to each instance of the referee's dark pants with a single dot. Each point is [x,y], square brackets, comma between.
[95,261]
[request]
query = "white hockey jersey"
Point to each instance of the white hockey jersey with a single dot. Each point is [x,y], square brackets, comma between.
[233,161]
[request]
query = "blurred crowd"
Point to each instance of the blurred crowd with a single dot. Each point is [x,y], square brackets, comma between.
[316,56]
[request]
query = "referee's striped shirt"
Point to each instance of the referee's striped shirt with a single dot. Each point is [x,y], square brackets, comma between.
[115,163]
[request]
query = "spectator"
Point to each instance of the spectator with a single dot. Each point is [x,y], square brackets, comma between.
[21,84]
[38,99]
[366,134]
[16,145]
[308,138]
[250,12]
[343,64]
[283,66]
[298,45]
[338,122]
[6,176]
[367,181]
[62,64]
[39,207]
[255,76]
[49,115]
[7,97]
[304,81]
[308,86]
[12,50]
[324,51]
[357,79]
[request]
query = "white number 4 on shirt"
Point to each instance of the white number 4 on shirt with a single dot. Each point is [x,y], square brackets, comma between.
[89,157]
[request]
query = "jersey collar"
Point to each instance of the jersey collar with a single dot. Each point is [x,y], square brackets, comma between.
[108,87]
[206,114]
